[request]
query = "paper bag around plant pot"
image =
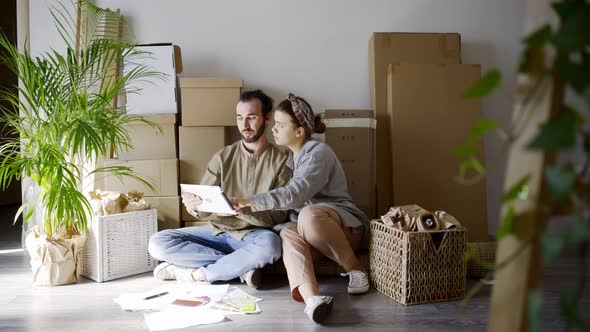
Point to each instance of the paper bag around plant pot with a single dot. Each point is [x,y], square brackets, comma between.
[54,261]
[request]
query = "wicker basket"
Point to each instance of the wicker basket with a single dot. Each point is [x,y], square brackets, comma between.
[484,257]
[117,245]
[417,267]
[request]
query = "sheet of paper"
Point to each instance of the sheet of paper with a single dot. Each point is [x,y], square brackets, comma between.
[178,317]
[237,301]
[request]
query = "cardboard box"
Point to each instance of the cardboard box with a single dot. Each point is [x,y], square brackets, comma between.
[209,101]
[168,211]
[155,95]
[391,47]
[163,172]
[148,142]
[429,120]
[197,147]
[351,134]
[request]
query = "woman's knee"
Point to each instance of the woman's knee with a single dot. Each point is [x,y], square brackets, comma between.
[312,220]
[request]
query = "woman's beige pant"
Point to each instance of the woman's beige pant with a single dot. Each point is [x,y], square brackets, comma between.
[318,232]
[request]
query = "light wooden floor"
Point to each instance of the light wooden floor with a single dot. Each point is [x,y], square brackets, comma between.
[89,306]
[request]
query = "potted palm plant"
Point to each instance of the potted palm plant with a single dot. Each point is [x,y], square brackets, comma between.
[65,117]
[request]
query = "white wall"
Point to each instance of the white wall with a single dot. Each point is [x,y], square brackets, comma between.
[317,48]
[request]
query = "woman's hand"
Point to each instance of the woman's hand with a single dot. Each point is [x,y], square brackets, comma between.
[239,203]
[192,203]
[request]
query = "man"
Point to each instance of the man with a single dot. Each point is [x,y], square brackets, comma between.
[230,246]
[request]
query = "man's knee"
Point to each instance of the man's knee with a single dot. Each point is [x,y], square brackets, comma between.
[269,245]
[157,244]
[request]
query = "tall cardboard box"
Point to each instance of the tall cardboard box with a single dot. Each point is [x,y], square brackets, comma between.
[395,47]
[168,211]
[163,173]
[429,120]
[351,134]
[150,143]
[209,101]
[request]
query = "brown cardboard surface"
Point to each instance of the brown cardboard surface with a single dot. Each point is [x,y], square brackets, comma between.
[394,47]
[168,211]
[352,137]
[429,120]
[197,147]
[149,142]
[209,101]
[163,172]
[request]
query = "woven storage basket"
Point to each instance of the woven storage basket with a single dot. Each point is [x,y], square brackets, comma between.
[117,245]
[417,267]
[483,260]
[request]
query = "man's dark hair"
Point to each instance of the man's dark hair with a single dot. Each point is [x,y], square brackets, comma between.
[264,99]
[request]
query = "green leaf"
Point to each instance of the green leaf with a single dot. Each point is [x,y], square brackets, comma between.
[558,132]
[560,182]
[507,224]
[535,309]
[466,150]
[472,163]
[538,37]
[579,232]
[552,245]
[568,304]
[482,127]
[488,83]
[574,28]
[519,190]
[574,73]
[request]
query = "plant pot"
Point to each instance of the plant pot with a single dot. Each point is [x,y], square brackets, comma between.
[54,261]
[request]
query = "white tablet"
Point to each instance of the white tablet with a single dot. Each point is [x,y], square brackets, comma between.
[214,199]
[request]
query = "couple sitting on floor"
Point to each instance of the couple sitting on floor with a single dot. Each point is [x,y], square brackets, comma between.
[307,187]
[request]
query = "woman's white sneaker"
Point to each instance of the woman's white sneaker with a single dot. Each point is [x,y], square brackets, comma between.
[358,282]
[317,308]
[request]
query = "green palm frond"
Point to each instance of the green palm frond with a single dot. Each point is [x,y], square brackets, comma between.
[64,115]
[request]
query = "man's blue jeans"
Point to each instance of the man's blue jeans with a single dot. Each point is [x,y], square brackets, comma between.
[219,257]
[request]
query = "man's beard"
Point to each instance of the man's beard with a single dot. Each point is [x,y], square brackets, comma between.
[256,136]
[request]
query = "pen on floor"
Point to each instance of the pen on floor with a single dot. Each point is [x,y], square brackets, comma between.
[155,295]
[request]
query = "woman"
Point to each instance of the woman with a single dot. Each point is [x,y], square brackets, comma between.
[328,224]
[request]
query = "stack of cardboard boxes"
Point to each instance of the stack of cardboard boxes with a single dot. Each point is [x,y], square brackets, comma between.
[154,152]
[417,81]
[208,124]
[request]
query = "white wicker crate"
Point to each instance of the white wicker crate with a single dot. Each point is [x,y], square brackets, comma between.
[117,245]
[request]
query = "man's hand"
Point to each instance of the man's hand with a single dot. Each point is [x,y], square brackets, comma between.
[239,203]
[191,203]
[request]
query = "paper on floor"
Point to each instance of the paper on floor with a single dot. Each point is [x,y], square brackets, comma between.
[137,302]
[177,317]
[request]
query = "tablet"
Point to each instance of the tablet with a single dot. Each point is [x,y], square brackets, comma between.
[214,199]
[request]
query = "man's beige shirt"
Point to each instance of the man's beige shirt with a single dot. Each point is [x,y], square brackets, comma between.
[241,173]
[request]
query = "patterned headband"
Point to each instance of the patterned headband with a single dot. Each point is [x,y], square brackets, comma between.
[303,113]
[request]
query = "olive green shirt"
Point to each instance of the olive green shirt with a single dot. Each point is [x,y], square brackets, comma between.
[241,173]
